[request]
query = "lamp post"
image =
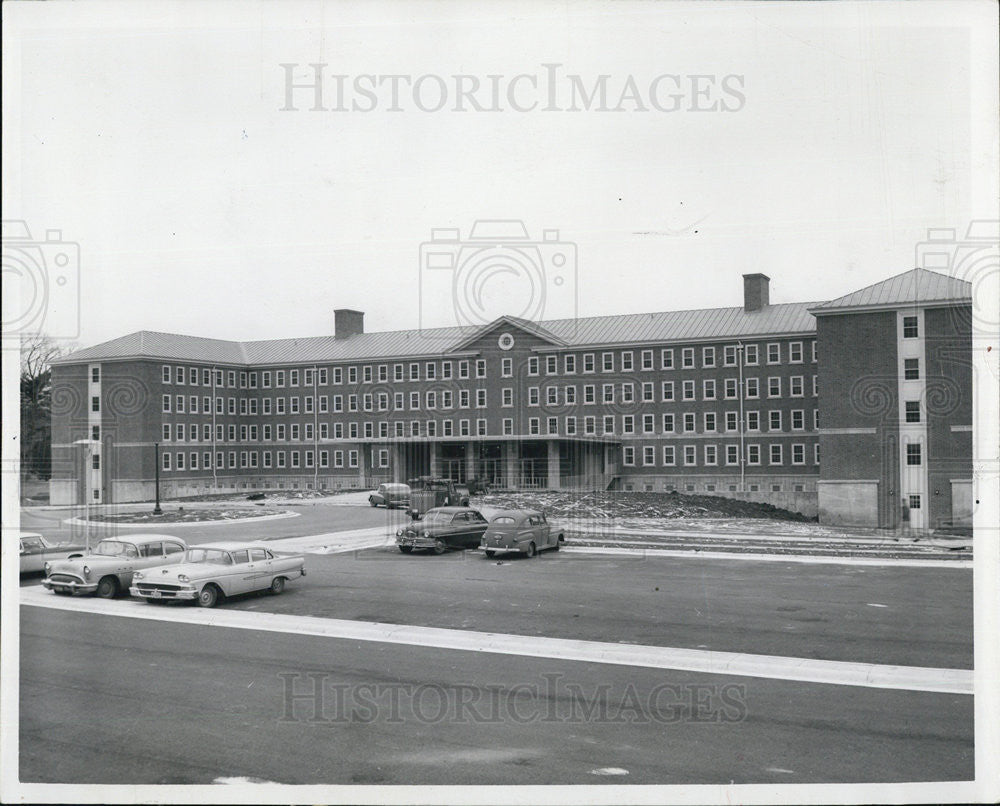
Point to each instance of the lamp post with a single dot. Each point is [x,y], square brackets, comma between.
[156,509]
[88,470]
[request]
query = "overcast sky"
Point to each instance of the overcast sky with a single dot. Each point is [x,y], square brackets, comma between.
[152,135]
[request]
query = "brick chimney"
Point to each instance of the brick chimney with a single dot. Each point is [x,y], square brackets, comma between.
[755,292]
[348,323]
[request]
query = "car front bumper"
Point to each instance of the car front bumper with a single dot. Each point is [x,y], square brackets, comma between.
[416,541]
[185,593]
[69,586]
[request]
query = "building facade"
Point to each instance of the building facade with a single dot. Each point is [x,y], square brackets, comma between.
[726,401]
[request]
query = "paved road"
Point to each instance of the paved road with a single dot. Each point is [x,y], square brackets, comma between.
[160,702]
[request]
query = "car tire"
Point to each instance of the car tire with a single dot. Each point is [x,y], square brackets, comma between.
[406,549]
[107,588]
[556,546]
[277,586]
[439,547]
[372,502]
[530,552]
[209,596]
[489,554]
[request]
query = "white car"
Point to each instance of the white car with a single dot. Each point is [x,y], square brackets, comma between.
[36,551]
[212,571]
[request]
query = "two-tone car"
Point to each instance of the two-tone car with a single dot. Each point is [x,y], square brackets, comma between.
[108,569]
[390,495]
[211,572]
[443,528]
[37,550]
[522,530]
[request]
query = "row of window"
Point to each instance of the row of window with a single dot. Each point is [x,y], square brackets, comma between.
[711,456]
[610,393]
[728,356]
[669,423]
[265,459]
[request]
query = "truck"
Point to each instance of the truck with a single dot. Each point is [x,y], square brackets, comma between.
[427,492]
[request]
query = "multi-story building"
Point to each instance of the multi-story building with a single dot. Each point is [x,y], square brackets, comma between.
[725,401]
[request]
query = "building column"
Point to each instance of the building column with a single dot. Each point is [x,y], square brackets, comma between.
[397,463]
[470,460]
[363,459]
[553,481]
[511,453]
[435,457]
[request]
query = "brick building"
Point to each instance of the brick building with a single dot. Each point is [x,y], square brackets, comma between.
[724,401]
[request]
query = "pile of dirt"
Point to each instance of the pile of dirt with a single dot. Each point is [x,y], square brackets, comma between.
[179,515]
[615,504]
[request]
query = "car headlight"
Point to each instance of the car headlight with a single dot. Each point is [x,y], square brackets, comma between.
[183,578]
[47,568]
[426,533]
[137,575]
[399,533]
[86,570]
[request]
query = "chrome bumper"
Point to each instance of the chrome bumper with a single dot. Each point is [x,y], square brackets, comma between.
[73,587]
[183,593]
[415,542]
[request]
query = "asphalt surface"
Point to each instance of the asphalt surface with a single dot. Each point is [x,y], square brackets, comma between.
[121,700]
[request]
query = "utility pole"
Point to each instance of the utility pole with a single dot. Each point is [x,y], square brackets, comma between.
[156,509]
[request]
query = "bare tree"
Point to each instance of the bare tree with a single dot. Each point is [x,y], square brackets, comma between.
[37,354]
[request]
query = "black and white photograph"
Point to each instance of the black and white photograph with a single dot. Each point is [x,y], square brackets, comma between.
[438,401]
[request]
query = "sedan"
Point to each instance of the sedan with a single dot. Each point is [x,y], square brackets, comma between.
[108,569]
[390,495]
[36,551]
[210,572]
[443,528]
[523,530]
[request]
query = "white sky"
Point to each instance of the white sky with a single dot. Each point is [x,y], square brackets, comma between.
[150,134]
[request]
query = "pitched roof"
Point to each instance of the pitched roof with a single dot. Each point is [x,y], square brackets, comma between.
[914,287]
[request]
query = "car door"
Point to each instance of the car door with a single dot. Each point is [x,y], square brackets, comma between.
[242,572]
[263,570]
[32,554]
[477,528]
[544,533]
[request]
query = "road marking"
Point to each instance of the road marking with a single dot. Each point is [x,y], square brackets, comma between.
[242,779]
[808,670]
[767,558]
[609,771]
[781,770]
[875,604]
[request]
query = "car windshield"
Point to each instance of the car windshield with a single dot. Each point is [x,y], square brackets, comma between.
[115,548]
[504,519]
[438,516]
[217,556]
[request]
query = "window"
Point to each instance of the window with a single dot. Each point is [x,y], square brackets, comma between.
[911,369]
[752,387]
[731,388]
[708,389]
[913,411]
[773,353]
[445,369]
[570,425]
[609,424]
[753,454]
[798,454]
[628,455]
[648,423]
[414,372]
[815,391]
[551,365]
[608,393]
[647,393]
[753,421]
[816,454]
[689,390]
[179,461]
[795,352]
[533,365]
[666,359]
[480,368]
[588,362]
[430,371]
[774,421]
[689,423]
[95,432]
[506,368]
[913,453]
[414,400]
[648,455]
[166,404]
[532,395]
[607,362]
[279,376]
[589,425]
[732,421]
[775,454]
[750,357]
[95,403]
[324,375]
[338,458]
[166,374]
[647,359]
[569,393]
[709,421]
[732,454]
[798,419]
[687,357]
[552,395]
[507,397]
[463,369]
[667,391]
[729,355]
[690,455]
[480,398]
[628,424]
[628,392]
[813,351]
[914,501]
[95,375]
[708,356]
[910,328]
[711,455]
[569,364]
[774,387]
[508,427]
[627,361]
[796,386]
[532,425]
[668,423]
[166,461]
[669,457]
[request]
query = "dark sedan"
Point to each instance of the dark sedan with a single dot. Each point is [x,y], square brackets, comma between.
[390,495]
[441,529]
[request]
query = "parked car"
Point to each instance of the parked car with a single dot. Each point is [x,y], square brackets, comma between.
[443,528]
[523,530]
[213,571]
[390,495]
[427,492]
[108,569]
[36,551]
